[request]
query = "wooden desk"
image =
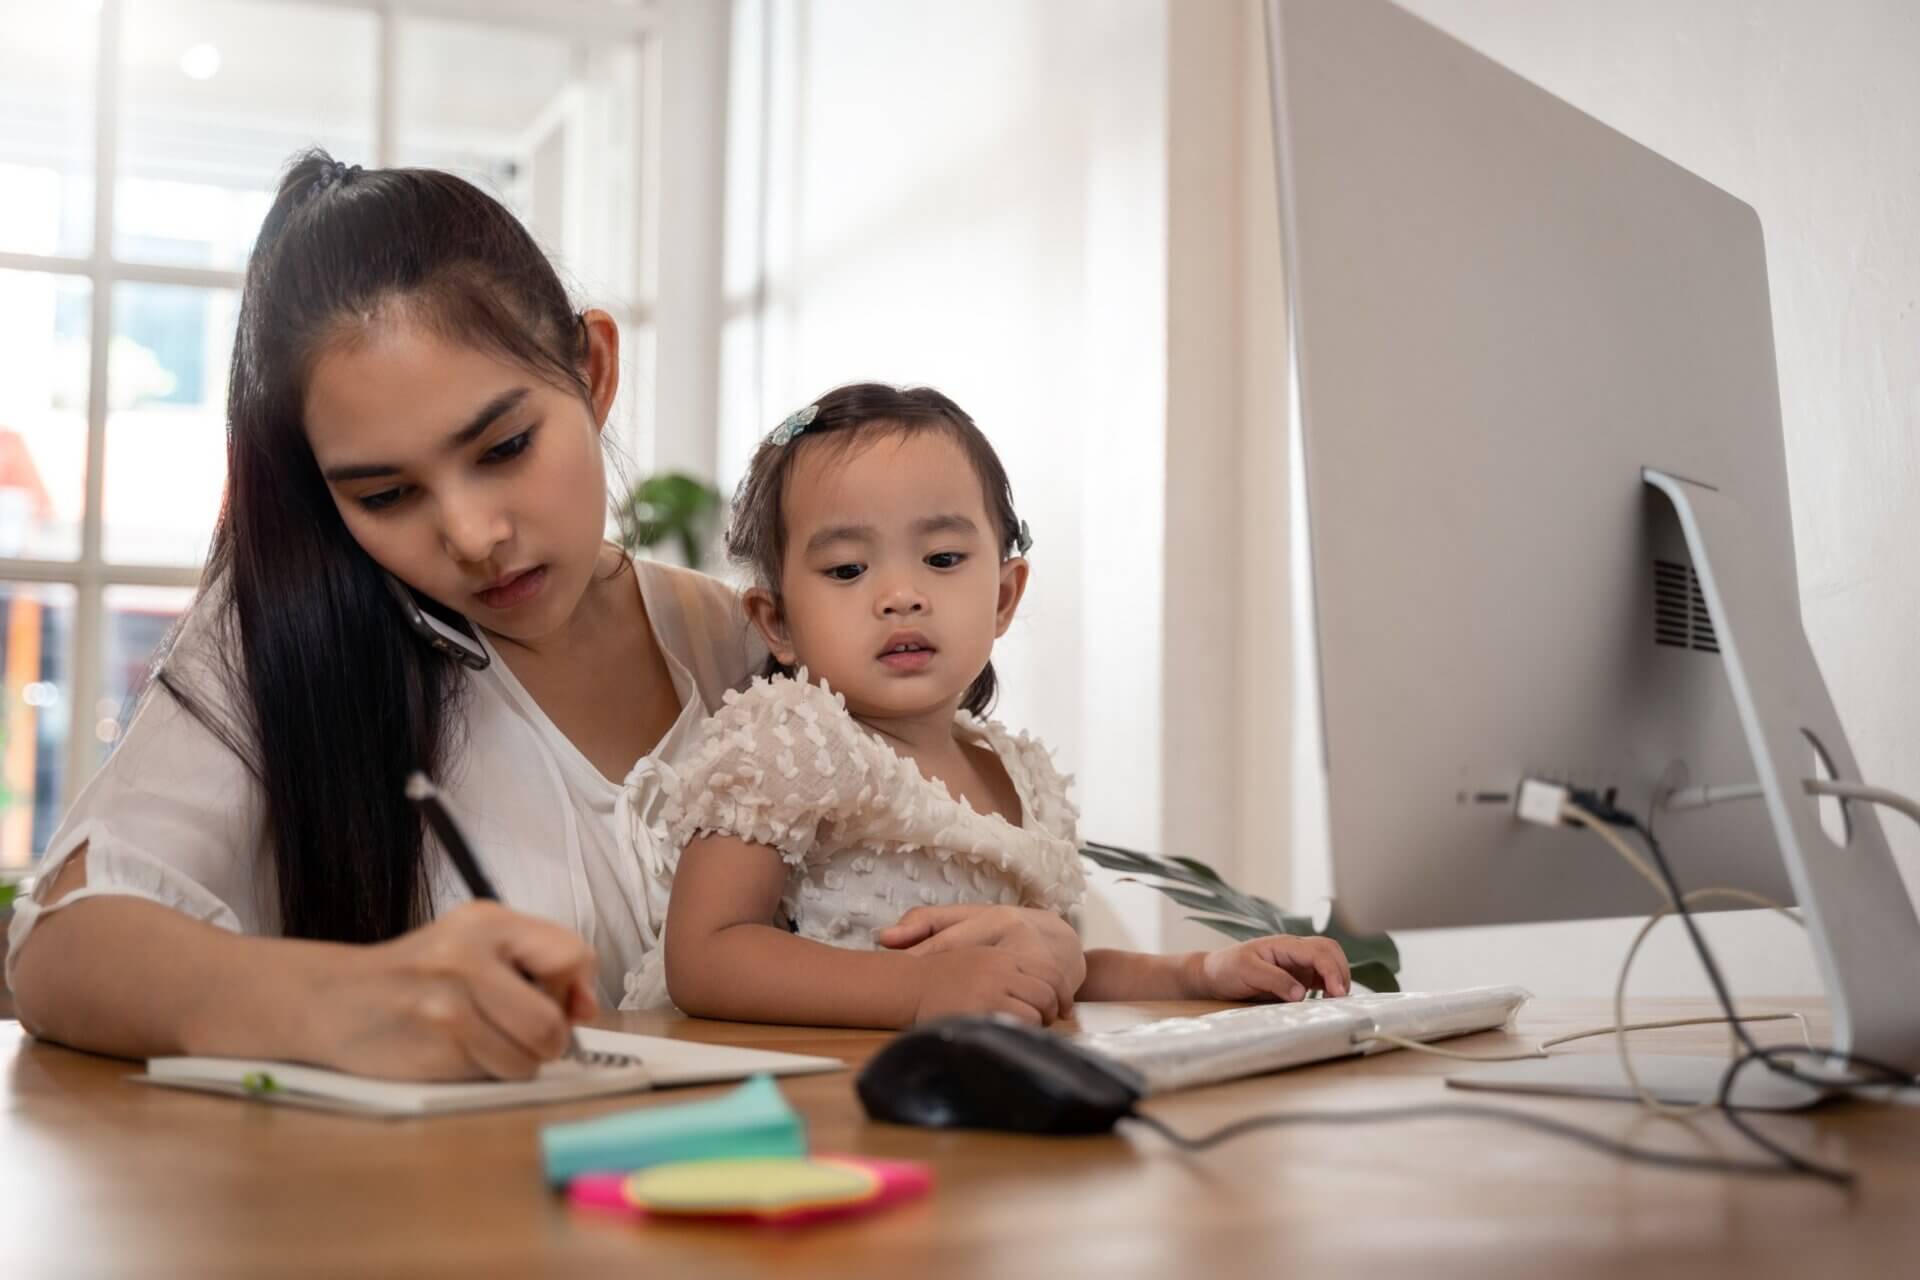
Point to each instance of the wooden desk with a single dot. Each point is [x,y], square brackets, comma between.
[102,1177]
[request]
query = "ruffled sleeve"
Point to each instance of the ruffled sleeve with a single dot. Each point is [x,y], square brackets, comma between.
[782,764]
[1044,790]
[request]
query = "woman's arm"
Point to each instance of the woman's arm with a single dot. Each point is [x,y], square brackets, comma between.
[477,992]
[726,959]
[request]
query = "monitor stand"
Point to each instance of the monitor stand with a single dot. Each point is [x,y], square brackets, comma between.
[1859,916]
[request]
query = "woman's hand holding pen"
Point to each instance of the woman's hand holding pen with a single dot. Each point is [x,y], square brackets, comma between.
[480,991]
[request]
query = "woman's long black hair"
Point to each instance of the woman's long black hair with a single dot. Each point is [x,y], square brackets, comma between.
[336,699]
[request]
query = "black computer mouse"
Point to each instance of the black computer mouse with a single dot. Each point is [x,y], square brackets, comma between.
[975,1072]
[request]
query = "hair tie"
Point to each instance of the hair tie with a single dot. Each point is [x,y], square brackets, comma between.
[1023,540]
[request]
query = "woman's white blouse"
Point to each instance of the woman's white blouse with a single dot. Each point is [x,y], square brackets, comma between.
[176,818]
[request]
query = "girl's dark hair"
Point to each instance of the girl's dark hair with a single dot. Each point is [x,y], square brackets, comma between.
[844,418]
[335,697]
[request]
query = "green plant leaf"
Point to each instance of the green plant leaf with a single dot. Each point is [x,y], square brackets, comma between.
[1115,859]
[1245,916]
[1360,955]
[1368,949]
[1337,926]
[1238,930]
[1376,977]
[670,505]
[1198,901]
[1141,864]
[1187,871]
[1198,868]
[1225,901]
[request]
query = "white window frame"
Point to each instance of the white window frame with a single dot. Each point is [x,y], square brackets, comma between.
[91,575]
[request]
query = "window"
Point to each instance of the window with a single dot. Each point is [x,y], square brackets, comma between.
[140,144]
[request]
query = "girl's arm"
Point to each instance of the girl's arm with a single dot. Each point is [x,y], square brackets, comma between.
[1281,967]
[1136,975]
[1043,940]
[129,977]
[1264,969]
[727,959]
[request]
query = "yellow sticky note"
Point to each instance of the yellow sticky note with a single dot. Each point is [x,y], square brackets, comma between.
[749,1185]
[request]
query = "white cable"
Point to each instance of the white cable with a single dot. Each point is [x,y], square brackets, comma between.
[1701,797]
[1640,1090]
[1861,791]
[1420,1046]
[1572,812]
[1662,1024]
[1693,798]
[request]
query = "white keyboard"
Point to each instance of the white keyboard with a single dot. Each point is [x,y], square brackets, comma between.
[1178,1053]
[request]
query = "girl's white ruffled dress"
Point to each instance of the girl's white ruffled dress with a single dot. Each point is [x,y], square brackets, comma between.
[866,836]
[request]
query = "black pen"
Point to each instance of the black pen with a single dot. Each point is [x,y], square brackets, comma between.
[426,798]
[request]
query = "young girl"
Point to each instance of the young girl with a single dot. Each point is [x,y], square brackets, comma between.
[860,780]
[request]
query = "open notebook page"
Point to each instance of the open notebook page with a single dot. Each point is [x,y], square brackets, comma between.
[662,1061]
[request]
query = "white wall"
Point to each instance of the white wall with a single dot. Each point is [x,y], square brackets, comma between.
[691,66]
[1810,113]
[974,197]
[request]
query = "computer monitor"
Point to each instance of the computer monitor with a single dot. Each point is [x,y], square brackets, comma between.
[1541,520]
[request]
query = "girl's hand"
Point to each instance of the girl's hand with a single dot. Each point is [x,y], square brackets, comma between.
[481,991]
[1280,967]
[1045,945]
[982,980]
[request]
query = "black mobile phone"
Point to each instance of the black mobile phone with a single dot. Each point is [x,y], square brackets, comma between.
[455,644]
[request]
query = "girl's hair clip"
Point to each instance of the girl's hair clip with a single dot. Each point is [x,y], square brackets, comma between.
[1023,540]
[793,425]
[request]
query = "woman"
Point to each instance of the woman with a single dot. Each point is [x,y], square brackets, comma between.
[415,417]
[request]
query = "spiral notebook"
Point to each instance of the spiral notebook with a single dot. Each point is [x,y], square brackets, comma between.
[662,1062]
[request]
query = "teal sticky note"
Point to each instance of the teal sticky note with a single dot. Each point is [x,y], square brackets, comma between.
[753,1120]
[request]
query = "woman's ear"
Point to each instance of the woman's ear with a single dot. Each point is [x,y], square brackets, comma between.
[765,613]
[1013,585]
[603,363]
